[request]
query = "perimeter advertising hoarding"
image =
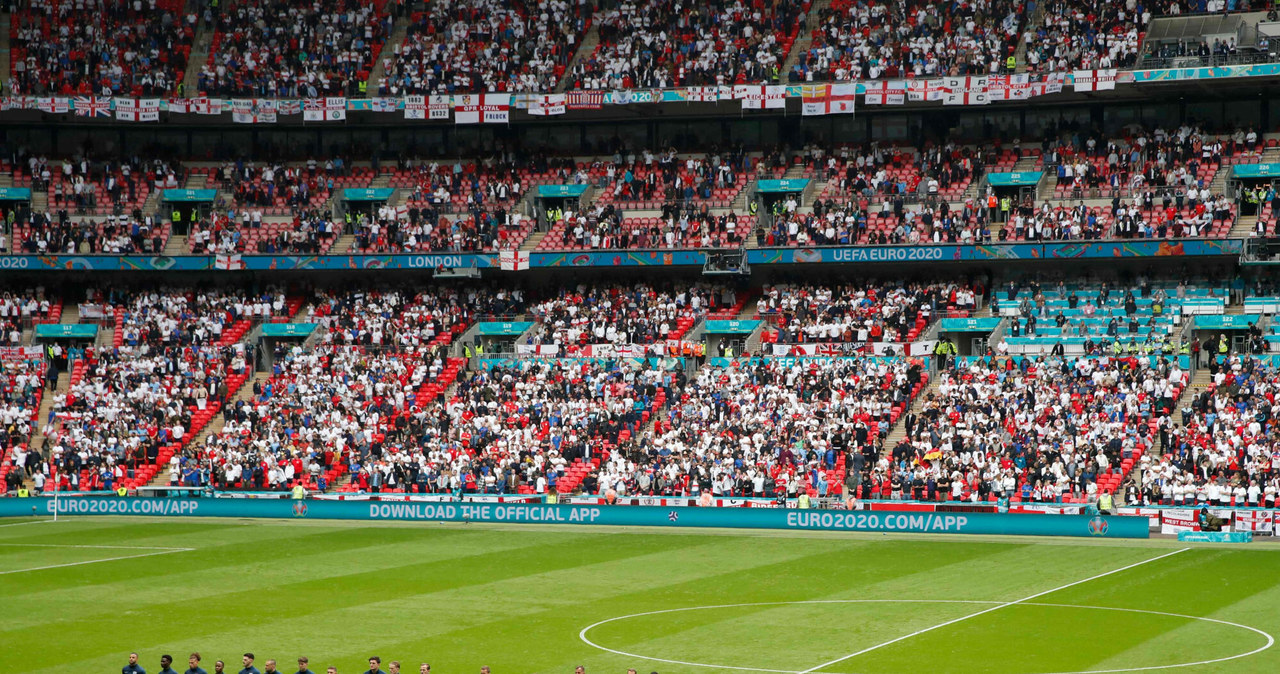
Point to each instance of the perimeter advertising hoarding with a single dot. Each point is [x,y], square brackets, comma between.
[737,518]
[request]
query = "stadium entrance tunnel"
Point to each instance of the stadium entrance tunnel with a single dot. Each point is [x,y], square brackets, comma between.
[882,636]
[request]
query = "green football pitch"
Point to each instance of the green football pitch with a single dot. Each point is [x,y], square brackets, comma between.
[78,594]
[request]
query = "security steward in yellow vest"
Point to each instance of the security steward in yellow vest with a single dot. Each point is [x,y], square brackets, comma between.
[1106,505]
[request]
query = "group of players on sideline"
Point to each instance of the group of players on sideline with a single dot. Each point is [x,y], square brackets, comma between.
[269,666]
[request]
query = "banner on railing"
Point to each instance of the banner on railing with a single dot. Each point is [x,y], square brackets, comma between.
[513,260]
[1173,521]
[922,348]
[1257,521]
[964,90]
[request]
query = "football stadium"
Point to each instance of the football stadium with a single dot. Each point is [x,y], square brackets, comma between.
[613,336]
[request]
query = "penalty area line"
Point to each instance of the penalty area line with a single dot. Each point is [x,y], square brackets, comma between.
[985,611]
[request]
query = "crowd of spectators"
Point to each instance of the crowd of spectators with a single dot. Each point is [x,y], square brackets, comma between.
[1222,452]
[1043,430]
[426,229]
[83,185]
[656,44]
[21,388]
[99,47]
[277,186]
[294,48]
[407,318]
[910,38]
[481,46]
[188,317]
[45,234]
[309,232]
[716,176]
[322,410]
[128,407]
[1090,34]
[771,428]
[617,314]
[1185,159]
[871,312]
[526,423]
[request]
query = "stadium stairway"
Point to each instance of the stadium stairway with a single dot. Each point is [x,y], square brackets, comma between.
[898,430]
[532,241]
[176,245]
[399,31]
[343,244]
[196,180]
[1020,53]
[39,202]
[804,39]
[6,20]
[1243,228]
[584,51]
[199,57]
[215,425]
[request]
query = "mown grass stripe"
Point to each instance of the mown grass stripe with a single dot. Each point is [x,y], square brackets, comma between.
[179,622]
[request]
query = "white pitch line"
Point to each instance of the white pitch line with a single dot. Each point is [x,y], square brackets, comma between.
[96,547]
[96,561]
[985,611]
[18,524]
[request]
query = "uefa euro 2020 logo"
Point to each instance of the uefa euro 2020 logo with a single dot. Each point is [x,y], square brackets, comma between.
[1098,526]
[300,509]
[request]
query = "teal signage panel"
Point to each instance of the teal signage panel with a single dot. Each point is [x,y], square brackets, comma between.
[732,327]
[1225,321]
[368,194]
[561,191]
[190,195]
[1215,536]
[1016,179]
[783,185]
[1256,170]
[287,329]
[70,330]
[969,324]
[1022,524]
[15,194]
[499,329]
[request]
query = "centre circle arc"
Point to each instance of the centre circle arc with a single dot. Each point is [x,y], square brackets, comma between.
[583,633]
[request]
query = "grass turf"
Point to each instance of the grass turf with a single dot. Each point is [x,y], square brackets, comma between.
[517,598]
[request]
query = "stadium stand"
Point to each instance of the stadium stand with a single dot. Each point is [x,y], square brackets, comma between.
[484,45]
[868,41]
[1219,454]
[112,47]
[778,428]
[615,314]
[21,389]
[292,48]
[658,43]
[128,410]
[323,412]
[1049,430]
[176,317]
[859,314]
